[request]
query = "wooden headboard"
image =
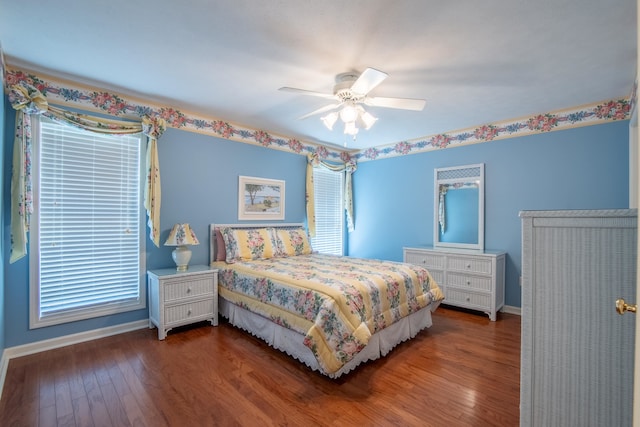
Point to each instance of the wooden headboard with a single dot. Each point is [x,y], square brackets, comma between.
[213,227]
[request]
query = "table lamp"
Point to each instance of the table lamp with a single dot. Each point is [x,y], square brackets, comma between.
[181,236]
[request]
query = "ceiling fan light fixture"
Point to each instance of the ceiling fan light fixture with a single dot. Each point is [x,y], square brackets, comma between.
[368,119]
[352,115]
[350,128]
[329,120]
[349,113]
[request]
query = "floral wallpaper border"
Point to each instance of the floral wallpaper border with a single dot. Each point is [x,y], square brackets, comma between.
[540,123]
[68,93]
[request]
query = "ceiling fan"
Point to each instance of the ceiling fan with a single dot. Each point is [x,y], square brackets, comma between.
[351,90]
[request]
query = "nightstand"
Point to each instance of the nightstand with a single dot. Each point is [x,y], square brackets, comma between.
[179,298]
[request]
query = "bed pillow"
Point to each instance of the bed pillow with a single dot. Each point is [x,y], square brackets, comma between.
[248,245]
[293,242]
[221,253]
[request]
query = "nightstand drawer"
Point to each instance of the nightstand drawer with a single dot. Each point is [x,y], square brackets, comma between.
[191,286]
[181,312]
[426,260]
[467,281]
[469,264]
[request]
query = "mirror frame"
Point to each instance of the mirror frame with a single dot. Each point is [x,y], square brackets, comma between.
[457,175]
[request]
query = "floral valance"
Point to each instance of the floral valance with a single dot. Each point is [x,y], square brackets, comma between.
[349,167]
[29,101]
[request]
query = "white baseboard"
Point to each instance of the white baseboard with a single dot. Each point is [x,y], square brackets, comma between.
[50,344]
[511,310]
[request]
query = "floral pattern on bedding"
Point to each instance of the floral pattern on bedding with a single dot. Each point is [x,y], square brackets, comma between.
[249,244]
[337,303]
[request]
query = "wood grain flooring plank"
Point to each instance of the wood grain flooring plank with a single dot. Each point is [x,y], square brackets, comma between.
[61,371]
[147,405]
[76,384]
[82,412]
[97,404]
[48,417]
[64,407]
[46,382]
[14,393]
[114,405]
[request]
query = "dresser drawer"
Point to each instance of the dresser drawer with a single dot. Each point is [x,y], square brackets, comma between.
[427,260]
[467,299]
[182,312]
[469,264]
[468,281]
[191,286]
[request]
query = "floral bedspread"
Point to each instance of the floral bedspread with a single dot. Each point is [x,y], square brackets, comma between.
[337,303]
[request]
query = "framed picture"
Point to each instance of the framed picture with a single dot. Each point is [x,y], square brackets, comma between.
[260,198]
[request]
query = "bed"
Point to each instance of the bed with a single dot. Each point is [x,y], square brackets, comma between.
[330,313]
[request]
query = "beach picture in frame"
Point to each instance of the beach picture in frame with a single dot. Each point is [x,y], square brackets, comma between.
[260,198]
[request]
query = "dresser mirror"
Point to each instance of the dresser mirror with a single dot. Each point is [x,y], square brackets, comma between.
[459,207]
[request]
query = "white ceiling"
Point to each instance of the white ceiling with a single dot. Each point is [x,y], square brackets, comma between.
[475,62]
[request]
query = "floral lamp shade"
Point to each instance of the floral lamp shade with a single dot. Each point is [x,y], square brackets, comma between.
[181,236]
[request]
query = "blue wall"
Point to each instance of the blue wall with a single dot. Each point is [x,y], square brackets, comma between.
[3,177]
[582,168]
[199,176]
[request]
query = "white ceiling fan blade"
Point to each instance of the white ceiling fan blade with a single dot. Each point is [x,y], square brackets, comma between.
[320,110]
[307,92]
[369,79]
[399,103]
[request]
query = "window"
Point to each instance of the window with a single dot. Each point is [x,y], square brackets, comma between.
[87,229]
[329,204]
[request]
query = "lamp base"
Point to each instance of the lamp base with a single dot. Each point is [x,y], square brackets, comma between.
[181,256]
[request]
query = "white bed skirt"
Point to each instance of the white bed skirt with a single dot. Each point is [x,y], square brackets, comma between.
[291,342]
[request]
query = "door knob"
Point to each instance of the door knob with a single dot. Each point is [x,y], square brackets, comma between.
[622,306]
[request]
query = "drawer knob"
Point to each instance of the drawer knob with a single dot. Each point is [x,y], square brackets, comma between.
[189,312]
[188,290]
[468,283]
[468,299]
[468,265]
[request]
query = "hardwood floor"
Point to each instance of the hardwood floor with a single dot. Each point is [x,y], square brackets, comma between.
[463,371]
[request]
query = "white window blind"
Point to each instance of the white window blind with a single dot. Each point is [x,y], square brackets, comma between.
[329,203]
[89,235]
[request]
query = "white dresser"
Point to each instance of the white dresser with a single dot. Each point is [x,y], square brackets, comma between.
[179,298]
[473,280]
[577,351]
